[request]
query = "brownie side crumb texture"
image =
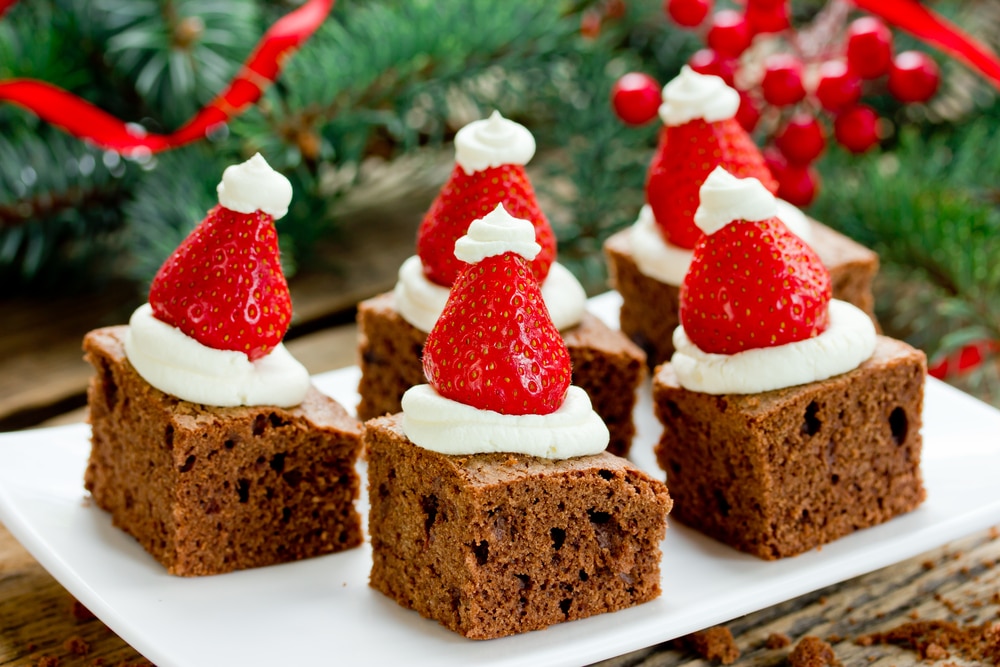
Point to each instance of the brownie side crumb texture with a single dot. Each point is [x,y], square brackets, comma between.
[606,364]
[208,490]
[782,472]
[649,307]
[812,652]
[491,545]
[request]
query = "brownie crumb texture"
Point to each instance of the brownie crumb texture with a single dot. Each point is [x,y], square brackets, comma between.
[77,645]
[812,651]
[714,643]
[491,545]
[937,640]
[211,490]
[777,640]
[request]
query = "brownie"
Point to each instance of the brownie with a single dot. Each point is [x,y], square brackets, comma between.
[207,490]
[606,364]
[649,307]
[784,471]
[496,544]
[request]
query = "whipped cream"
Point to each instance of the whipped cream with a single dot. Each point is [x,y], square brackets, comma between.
[254,186]
[668,263]
[725,198]
[449,427]
[496,233]
[691,95]
[177,364]
[493,142]
[848,340]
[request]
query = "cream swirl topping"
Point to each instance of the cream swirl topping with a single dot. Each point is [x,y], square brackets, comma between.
[725,198]
[177,364]
[496,233]
[493,142]
[691,95]
[449,427]
[254,186]
[848,340]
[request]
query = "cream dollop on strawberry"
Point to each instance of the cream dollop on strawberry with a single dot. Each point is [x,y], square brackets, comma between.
[699,134]
[492,173]
[752,283]
[497,368]
[219,306]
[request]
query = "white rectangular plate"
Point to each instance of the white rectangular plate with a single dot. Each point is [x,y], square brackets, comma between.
[322,610]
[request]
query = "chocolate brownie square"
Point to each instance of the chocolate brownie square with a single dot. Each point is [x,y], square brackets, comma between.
[207,490]
[491,545]
[649,307]
[606,364]
[784,471]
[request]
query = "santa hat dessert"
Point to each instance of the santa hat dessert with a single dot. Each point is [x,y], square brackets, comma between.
[210,445]
[493,488]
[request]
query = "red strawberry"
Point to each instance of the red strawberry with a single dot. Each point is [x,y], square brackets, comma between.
[465,198]
[686,155]
[494,346]
[753,284]
[223,286]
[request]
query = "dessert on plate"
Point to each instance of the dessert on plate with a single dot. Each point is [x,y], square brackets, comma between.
[210,445]
[495,507]
[490,157]
[648,260]
[788,422]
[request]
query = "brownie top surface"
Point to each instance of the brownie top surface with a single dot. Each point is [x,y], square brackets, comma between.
[317,408]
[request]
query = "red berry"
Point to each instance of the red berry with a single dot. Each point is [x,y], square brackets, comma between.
[775,161]
[590,23]
[729,34]
[766,4]
[782,82]
[748,113]
[798,184]
[762,19]
[466,197]
[494,346]
[856,128]
[837,87]
[708,61]
[687,13]
[869,47]
[636,98]
[753,285]
[913,77]
[223,286]
[802,139]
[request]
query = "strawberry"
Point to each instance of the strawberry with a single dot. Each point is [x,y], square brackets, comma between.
[494,346]
[465,198]
[223,286]
[753,284]
[686,154]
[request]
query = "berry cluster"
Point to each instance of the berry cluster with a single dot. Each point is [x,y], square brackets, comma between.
[801,89]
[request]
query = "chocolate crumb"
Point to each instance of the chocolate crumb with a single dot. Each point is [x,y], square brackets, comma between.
[714,643]
[822,599]
[935,652]
[934,640]
[778,640]
[834,639]
[81,613]
[812,651]
[914,614]
[47,661]
[77,645]
[927,564]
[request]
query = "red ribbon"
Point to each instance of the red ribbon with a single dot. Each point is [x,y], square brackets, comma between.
[914,18]
[82,119]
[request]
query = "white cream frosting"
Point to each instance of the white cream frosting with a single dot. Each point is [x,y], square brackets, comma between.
[493,142]
[848,340]
[668,263]
[496,233]
[254,186]
[691,95]
[449,427]
[177,364]
[724,198]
